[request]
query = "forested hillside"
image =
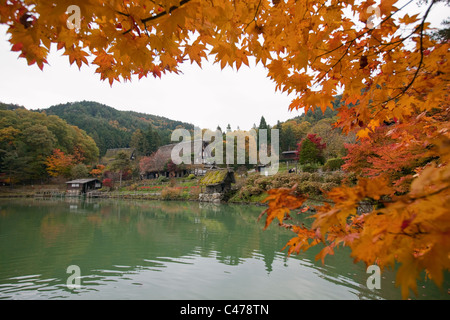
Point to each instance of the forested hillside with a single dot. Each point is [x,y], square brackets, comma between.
[111,128]
[10,106]
[294,130]
[30,141]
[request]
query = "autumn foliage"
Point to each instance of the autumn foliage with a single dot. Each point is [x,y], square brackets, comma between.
[59,163]
[390,69]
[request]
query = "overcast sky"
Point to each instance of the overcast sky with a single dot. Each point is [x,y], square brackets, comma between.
[205,97]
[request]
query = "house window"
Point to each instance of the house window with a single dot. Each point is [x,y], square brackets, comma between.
[75,185]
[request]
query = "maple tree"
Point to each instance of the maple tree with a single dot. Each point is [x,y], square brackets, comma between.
[387,69]
[59,163]
[97,171]
[384,155]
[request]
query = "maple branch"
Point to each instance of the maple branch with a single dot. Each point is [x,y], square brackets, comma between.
[172,8]
[350,42]
[430,194]
[421,27]
[159,15]
[256,13]
[412,235]
[122,13]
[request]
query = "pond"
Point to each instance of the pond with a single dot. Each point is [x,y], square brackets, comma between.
[167,250]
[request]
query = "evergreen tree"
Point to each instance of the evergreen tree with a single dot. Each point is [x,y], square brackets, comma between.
[153,140]
[308,152]
[262,123]
[120,164]
[139,142]
[288,139]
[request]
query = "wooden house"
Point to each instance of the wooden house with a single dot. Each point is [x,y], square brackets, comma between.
[82,186]
[290,158]
[291,155]
[157,164]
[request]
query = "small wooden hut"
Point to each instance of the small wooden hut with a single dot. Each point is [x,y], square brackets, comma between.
[82,186]
[218,181]
[291,155]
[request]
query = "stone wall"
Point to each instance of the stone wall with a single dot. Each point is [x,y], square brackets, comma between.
[210,197]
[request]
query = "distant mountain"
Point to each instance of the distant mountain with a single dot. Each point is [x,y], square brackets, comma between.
[315,116]
[112,128]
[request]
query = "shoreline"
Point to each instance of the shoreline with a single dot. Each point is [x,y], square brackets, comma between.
[115,195]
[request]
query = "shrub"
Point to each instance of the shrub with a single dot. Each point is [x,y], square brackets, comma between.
[191,176]
[351,179]
[334,177]
[252,177]
[327,186]
[278,182]
[255,190]
[310,188]
[310,167]
[132,187]
[172,182]
[315,176]
[163,179]
[333,164]
[304,176]
[107,183]
[263,183]
[194,192]
[170,193]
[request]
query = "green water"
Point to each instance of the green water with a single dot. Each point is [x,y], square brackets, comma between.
[167,250]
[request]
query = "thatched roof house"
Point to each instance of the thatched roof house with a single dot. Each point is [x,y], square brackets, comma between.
[156,164]
[111,154]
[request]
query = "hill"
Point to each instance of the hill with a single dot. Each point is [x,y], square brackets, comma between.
[10,106]
[314,117]
[34,145]
[112,128]
[292,131]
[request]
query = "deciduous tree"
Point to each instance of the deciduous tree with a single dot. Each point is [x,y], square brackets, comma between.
[59,164]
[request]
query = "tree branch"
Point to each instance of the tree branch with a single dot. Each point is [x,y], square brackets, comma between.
[159,15]
[421,27]
[182,2]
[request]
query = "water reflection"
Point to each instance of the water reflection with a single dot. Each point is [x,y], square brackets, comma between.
[165,250]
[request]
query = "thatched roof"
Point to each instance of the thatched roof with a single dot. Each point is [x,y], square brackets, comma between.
[216,177]
[157,161]
[111,154]
[83,181]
